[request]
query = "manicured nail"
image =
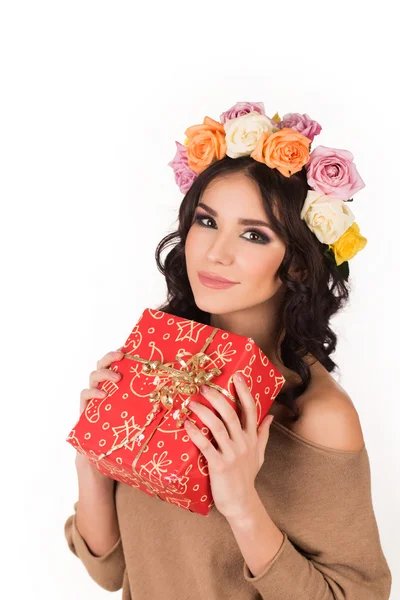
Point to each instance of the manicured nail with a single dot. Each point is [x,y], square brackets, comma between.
[239,377]
[204,389]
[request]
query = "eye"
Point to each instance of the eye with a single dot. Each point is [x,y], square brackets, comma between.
[262,238]
[200,218]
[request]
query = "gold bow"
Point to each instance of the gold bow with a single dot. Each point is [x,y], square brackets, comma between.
[186,382]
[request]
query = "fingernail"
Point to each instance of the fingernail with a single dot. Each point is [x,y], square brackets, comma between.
[238,376]
[204,389]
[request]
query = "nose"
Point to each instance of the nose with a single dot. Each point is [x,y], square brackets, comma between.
[219,252]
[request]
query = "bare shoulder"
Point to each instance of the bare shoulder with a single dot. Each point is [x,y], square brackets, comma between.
[329,417]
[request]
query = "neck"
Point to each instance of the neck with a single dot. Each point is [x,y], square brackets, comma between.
[263,327]
[254,322]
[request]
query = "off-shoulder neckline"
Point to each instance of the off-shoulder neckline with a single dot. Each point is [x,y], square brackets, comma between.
[303,440]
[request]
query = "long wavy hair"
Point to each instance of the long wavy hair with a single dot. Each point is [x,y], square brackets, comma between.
[309,300]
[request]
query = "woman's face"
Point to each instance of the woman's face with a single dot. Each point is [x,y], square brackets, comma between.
[219,243]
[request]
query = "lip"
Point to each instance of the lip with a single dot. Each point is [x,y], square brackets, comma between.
[209,275]
[214,282]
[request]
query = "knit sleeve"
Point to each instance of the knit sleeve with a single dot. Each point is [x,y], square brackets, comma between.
[331,548]
[106,570]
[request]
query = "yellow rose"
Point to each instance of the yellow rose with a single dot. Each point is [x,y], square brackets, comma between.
[349,244]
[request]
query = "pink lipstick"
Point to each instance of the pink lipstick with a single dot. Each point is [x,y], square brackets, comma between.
[214,281]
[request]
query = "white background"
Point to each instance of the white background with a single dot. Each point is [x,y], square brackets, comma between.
[94,95]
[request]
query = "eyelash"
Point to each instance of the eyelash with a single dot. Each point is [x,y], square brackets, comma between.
[264,238]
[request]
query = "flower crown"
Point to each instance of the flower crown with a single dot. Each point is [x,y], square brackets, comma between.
[283,144]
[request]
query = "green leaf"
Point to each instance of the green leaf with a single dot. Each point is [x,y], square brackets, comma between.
[344,269]
[329,254]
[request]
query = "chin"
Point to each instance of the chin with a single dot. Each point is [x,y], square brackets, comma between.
[214,305]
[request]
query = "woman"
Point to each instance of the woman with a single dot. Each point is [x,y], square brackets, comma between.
[293,513]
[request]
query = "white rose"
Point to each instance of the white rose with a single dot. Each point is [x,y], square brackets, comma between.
[328,218]
[242,134]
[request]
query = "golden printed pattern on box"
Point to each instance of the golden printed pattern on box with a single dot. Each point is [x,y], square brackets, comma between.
[136,435]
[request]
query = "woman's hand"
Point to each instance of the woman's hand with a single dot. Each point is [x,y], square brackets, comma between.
[102,373]
[234,464]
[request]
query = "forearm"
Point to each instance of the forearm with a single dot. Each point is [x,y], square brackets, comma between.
[258,538]
[96,516]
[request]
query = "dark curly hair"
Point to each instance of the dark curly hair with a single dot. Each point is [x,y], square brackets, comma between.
[309,301]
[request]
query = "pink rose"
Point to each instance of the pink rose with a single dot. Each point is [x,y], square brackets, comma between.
[240,109]
[302,124]
[184,176]
[332,172]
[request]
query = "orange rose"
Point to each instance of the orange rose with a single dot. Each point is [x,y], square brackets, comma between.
[286,150]
[205,144]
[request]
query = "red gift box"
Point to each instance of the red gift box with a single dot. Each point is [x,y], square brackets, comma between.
[136,434]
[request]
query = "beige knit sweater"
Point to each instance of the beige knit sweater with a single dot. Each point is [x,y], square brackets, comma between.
[320,499]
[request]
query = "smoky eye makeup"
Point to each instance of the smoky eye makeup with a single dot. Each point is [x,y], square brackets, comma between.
[201,219]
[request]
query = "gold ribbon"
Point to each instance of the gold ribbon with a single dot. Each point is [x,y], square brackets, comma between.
[186,382]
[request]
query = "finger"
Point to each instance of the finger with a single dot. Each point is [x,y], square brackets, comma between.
[227,412]
[263,434]
[214,424]
[203,444]
[103,375]
[89,394]
[249,409]
[108,359]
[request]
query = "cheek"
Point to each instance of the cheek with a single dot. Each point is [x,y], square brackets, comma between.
[190,246]
[261,270]
[193,248]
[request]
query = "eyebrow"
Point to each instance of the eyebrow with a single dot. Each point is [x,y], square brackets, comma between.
[240,221]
